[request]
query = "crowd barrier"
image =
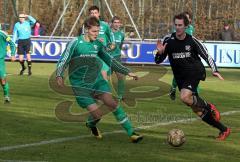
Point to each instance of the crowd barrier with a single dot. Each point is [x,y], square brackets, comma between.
[225,54]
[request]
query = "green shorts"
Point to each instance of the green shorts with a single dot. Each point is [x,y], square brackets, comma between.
[2,69]
[86,96]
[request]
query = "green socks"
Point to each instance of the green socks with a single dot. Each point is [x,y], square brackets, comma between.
[122,118]
[120,88]
[174,83]
[6,89]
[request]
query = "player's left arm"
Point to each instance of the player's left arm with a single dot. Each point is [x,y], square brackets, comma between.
[203,52]
[12,45]
[111,37]
[114,64]
[123,38]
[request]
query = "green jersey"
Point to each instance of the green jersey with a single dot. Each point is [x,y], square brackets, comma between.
[105,33]
[119,38]
[4,39]
[190,29]
[84,62]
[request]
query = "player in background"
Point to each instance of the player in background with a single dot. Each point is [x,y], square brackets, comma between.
[105,36]
[189,30]
[116,53]
[22,32]
[84,56]
[183,51]
[4,40]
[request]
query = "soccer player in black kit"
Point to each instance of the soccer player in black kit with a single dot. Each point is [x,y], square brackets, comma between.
[183,52]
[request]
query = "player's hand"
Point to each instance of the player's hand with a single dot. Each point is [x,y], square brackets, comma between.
[13,58]
[112,46]
[60,82]
[101,40]
[217,74]
[134,76]
[161,47]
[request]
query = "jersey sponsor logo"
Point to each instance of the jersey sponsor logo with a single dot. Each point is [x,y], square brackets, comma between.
[93,51]
[95,47]
[187,47]
[85,55]
[181,55]
[8,39]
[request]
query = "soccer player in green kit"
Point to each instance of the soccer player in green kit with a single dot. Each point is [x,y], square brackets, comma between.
[84,56]
[4,40]
[105,36]
[116,53]
[189,30]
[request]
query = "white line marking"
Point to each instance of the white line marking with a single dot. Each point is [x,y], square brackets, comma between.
[1,160]
[9,75]
[65,139]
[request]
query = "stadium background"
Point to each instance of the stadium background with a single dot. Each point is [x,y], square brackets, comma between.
[32,131]
[152,17]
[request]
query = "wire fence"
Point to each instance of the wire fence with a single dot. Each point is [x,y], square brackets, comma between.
[153,18]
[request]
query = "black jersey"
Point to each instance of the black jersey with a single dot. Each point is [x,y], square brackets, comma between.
[184,57]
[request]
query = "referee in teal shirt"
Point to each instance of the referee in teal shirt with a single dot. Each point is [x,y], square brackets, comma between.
[22,33]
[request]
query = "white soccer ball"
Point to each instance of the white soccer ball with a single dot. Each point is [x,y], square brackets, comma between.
[176,137]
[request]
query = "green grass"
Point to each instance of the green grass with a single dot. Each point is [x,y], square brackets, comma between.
[30,118]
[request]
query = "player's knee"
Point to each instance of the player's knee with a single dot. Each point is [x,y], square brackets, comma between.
[104,74]
[2,81]
[113,105]
[197,110]
[186,98]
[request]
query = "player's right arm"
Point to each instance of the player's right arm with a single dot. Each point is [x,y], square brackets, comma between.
[160,52]
[15,33]
[64,60]
[31,19]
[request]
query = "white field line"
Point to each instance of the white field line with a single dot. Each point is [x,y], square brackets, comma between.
[1,160]
[9,75]
[65,139]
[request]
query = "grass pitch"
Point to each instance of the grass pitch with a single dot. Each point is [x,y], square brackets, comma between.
[30,130]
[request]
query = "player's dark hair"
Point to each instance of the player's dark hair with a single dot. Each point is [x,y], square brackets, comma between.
[188,13]
[93,8]
[183,17]
[115,18]
[91,21]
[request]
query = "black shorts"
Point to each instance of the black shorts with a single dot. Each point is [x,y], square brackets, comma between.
[23,46]
[188,83]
